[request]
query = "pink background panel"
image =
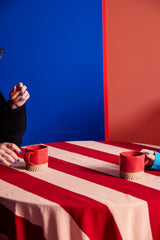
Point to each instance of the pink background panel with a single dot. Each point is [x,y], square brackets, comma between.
[133,40]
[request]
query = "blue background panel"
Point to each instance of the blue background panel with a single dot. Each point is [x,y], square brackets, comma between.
[55,48]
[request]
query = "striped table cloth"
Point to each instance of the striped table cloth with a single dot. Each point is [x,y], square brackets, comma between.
[79,197]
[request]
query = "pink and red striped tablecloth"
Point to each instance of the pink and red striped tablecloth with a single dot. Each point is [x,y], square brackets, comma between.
[79,197]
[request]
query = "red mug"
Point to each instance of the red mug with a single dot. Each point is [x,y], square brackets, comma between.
[132,165]
[36,157]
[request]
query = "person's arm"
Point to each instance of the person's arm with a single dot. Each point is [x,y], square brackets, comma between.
[13,125]
[156,163]
[13,115]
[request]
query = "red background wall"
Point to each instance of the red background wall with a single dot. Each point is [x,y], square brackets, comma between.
[133,48]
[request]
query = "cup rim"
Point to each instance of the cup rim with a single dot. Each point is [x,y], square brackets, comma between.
[127,154]
[35,147]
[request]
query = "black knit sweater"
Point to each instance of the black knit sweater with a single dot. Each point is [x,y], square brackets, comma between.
[12,122]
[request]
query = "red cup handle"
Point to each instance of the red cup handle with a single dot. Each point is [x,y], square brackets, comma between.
[27,157]
[146,161]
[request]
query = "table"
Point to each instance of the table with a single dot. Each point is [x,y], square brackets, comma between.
[80,196]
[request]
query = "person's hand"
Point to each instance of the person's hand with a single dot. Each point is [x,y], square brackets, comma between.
[8,154]
[18,96]
[149,156]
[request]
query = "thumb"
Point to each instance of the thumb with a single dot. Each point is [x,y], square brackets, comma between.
[150,156]
[13,90]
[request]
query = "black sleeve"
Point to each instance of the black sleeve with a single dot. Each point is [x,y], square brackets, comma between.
[12,122]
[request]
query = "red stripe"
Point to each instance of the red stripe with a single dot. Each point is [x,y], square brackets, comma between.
[116,183]
[105,78]
[107,157]
[152,196]
[18,228]
[119,184]
[136,147]
[131,146]
[87,213]
[136,190]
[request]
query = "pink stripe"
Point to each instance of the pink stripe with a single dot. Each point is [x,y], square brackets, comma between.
[119,184]
[136,147]
[140,191]
[18,228]
[82,209]
[107,157]
[152,196]
[130,146]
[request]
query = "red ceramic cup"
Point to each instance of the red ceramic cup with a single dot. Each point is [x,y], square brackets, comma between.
[132,165]
[36,157]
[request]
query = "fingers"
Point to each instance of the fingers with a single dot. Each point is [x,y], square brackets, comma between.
[19,85]
[17,88]
[23,89]
[19,95]
[5,162]
[13,147]
[7,154]
[147,151]
[149,156]
[24,95]
[21,100]
[150,162]
[4,156]
[13,90]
